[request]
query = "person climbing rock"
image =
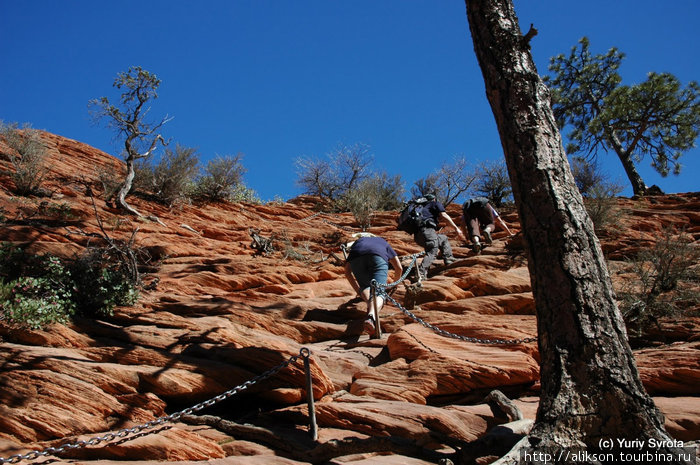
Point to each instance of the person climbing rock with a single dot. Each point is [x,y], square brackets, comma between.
[368,259]
[427,235]
[479,216]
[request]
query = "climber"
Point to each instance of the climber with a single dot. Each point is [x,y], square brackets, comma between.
[478,213]
[427,236]
[369,260]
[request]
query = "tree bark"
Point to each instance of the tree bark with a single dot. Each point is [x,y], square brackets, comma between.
[591,388]
[638,185]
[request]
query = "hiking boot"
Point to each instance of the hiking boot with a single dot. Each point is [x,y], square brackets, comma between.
[487,235]
[368,325]
[449,261]
[476,247]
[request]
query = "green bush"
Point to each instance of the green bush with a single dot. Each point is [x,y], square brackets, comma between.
[37,290]
[43,297]
[101,283]
[379,192]
[168,180]
[33,302]
[222,180]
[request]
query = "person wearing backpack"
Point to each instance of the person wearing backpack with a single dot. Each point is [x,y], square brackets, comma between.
[425,232]
[478,215]
[369,259]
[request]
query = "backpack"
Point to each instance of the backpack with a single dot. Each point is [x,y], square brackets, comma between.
[476,202]
[411,218]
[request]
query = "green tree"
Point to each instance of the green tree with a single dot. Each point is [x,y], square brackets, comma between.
[655,118]
[129,119]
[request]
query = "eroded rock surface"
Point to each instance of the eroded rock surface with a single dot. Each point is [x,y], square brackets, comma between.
[222,314]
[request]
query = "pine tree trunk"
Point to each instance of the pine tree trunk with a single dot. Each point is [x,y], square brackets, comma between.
[638,185]
[590,386]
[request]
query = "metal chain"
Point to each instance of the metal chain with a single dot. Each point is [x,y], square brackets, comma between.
[414,257]
[380,289]
[158,421]
[442,332]
[340,226]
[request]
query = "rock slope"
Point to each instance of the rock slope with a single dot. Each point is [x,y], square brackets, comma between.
[220,314]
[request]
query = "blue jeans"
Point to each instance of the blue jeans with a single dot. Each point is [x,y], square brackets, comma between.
[369,267]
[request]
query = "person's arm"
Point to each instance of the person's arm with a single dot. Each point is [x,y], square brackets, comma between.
[396,265]
[351,279]
[500,221]
[452,223]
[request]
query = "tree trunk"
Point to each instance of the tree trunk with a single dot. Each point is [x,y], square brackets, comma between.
[590,386]
[638,185]
[126,188]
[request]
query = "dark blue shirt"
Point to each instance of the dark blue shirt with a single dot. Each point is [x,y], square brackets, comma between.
[432,210]
[371,246]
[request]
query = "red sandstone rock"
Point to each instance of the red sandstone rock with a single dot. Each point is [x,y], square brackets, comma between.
[221,315]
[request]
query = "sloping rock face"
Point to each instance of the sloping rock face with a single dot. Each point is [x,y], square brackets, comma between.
[225,322]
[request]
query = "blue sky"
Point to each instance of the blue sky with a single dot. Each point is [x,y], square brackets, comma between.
[276,80]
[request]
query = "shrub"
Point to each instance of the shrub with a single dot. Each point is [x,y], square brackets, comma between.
[28,158]
[341,171]
[377,193]
[600,204]
[43,297]
[102,283]
[223,180]
[493,182]
[587,175]
[449,183]
[34,302]
[37,290]
[597,190]
[169,179]
[665,276]
[111,180]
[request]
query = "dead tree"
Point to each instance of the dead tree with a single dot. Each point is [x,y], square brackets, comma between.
[591,390]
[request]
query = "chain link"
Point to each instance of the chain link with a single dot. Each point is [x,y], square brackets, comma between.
[380,289]
[442,332]
[158,421]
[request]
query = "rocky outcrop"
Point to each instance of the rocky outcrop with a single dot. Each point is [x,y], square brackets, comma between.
[221,314]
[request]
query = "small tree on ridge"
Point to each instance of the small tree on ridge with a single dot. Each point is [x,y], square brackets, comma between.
[128,119]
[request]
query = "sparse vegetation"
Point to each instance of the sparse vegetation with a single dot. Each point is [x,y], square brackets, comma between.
[222,180]
[37,290]
[598,191]
[168,179]
[346,182]
[449,183]
[341,171]
[492,182]
[28,157]
[379,192]
[664,276]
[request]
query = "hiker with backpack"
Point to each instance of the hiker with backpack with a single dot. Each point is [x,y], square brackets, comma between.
[421,217]
[478,215]
[369,259]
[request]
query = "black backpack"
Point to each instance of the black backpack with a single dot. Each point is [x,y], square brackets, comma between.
[411,218]
[476,202]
